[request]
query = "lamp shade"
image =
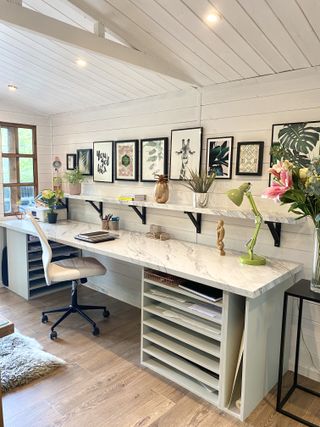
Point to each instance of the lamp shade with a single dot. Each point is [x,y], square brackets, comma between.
[236,194]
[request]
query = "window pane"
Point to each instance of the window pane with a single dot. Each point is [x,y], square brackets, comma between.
[26,195]
[7,140]
[10,195]
[25,141]
[7,199]
[26,169]
[9,170]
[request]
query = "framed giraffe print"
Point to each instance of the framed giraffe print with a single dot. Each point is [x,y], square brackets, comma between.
[185,152]
[219,156]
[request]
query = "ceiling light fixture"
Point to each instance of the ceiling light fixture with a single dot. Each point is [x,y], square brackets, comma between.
[12,87]
[81,62]
[213,18]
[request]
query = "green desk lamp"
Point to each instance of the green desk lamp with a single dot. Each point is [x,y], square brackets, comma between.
[236,196]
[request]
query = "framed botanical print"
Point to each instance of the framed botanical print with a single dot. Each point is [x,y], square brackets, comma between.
[249,158]
[185,152]
[84,161]
[127,160]
[71,162]
[153,158]
[298,142]
[219,156]
[103,161]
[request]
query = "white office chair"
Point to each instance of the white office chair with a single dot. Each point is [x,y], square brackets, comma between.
[75,269]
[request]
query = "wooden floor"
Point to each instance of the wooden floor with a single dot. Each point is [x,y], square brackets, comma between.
[103,384]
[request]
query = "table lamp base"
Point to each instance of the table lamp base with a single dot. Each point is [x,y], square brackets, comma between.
[255,260]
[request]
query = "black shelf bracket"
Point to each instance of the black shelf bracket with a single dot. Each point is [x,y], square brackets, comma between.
[195,221]
[275,230]
[141,214]
[99,208]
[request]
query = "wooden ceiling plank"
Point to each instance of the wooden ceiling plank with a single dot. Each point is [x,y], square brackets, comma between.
[296,23]
[272,27]
[52,28]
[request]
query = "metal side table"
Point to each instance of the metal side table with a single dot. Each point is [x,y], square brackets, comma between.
[302,291]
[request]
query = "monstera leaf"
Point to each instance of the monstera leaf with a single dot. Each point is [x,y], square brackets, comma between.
[218,157]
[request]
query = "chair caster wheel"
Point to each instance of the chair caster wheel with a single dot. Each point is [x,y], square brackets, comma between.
[53,335]
[44,318]
[95,331]
[106,313]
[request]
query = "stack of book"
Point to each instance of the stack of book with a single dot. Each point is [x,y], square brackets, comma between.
[132,197]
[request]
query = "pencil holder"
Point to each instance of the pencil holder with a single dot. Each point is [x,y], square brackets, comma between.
[114,225]
[105,224]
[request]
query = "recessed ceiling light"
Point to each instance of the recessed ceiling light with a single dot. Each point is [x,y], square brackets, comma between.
[81,62]
[12,88]
[213,18]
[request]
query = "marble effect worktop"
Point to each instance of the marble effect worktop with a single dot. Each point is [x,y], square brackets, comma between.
[188,260]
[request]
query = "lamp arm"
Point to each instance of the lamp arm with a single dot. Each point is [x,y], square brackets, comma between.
[258,221]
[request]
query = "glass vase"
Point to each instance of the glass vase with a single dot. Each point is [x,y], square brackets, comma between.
[315,279]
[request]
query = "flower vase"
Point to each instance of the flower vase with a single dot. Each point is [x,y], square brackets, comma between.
[200,200]
[315,279]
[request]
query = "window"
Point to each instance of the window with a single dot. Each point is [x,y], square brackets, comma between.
[19,165]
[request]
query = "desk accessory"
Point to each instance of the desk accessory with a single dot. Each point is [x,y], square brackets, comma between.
[236,196]
[220,237]
[114,223]
[95,237]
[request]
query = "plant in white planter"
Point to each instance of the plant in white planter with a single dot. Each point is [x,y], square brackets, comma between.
[74,179]
[200,184]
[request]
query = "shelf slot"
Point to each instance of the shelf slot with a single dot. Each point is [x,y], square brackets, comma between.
[141,214]
[275,230]
[195,221]
[95,207]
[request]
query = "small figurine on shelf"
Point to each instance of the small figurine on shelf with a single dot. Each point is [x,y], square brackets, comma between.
[220,237]
[161,191]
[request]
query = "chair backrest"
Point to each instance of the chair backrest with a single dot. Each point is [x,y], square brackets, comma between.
[46,249]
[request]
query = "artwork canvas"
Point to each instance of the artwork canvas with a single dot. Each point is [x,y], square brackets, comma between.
[219,156]
[154,158]
[103,161]
[71,161]
[249,158]
[127,160]
[295,141]
[84,159]
[185,153]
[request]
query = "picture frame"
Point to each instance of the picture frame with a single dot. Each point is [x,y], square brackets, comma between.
[185,152]
[299,141]
[126,160]
[153,158]
[219,156]
[84,161]
[71,162]
[103,161]
[249,158]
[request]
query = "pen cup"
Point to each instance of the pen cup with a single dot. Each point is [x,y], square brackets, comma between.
[105,224]
[113,225]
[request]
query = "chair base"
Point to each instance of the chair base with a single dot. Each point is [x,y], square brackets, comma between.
[74,307]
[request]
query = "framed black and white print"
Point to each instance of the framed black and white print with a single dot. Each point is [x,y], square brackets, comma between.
[153,158]
[127,161]
[298,142]
[185,152]
[71,162]
[219,156]
[84,161]
[249,158]
[103,163]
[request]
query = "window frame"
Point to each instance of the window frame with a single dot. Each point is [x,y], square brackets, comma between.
[18,156]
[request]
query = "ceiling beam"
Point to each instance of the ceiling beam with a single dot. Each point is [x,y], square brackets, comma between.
[52,28]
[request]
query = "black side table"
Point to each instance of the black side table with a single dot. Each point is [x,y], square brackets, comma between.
[302,291]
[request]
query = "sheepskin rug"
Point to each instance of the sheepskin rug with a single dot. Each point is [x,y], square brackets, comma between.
[23,360]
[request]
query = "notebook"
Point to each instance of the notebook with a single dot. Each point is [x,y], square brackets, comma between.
[211,294]
[95,237]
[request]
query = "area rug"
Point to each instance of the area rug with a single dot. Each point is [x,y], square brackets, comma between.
[23,360]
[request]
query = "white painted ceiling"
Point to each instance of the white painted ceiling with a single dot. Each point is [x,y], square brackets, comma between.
[253,38]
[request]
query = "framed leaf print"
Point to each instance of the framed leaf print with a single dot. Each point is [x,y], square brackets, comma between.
[185,152]
[219,156]
[153,158]
[295,141]
[249,158]
[84,161]
[103,163]
[71,162]
[127,160]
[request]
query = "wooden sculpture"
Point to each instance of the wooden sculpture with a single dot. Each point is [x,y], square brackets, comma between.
[220,237]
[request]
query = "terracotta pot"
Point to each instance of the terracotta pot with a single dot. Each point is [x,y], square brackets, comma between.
[74,189]
[161,192]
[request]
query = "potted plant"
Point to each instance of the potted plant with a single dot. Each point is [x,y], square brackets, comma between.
[200,184]
[51,199]
[74,179]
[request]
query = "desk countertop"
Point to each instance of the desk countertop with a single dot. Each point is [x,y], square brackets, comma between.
[188,260]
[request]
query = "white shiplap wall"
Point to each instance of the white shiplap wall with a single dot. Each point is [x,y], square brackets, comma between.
[245,110]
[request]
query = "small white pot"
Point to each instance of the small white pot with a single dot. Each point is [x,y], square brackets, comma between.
[200,200]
